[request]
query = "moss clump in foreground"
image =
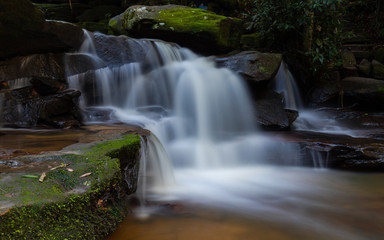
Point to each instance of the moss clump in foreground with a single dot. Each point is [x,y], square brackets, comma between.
[67,206]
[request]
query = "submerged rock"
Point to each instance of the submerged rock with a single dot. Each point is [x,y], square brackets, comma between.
[198,29]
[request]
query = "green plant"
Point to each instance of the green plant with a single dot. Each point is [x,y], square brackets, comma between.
[312,27]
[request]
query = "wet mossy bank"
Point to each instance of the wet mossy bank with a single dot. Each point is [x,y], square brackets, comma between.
[83,196]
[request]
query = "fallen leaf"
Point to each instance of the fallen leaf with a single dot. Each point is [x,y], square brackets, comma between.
[9,195]
[61,166]
[43,175]
[30,176]
[85,174]
[69,169]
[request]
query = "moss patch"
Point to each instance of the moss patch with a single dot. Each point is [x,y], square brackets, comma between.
[191,20]
[67,205]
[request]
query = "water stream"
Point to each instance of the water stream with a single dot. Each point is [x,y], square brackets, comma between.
[206,151]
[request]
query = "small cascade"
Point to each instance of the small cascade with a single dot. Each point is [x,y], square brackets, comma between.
[19,83]
[200,117]
[286,84]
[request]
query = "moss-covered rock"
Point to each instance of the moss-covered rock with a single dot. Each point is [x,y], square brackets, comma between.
[252,41]
[86,203]
[201,30]
[253,66]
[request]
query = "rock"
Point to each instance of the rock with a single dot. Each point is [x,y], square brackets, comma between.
[349,64]
[24,107]
[365,67]
[98,201]
[198,29]
[50,65]
[349,59]
[378,53]
[46,86]
[363,93]
[271,113]
[62,11]
[251,41]
[98,13]
[116,51]
[255,67]
[377,70]
[27,32]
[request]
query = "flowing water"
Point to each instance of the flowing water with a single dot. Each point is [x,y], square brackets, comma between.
[205,151]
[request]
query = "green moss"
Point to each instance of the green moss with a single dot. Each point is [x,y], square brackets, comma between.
[65,205]
[252,41]
[191,20]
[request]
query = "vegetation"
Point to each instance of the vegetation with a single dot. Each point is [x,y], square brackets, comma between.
[310,26]
[67,205]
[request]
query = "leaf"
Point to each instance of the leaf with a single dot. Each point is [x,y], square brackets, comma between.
[69,169]
[85,174]
[30,176]
[61,166]
[42,177]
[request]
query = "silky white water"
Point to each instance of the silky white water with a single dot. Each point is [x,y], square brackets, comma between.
[204,146]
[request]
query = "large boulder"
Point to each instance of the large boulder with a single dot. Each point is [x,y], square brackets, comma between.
[25,107]
[377,70]
[363,93]
[51,65]
[23,31]
[198,29]
[253,66]
[271,113]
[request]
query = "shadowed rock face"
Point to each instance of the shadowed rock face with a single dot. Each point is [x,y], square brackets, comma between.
[24,31]
[24,107]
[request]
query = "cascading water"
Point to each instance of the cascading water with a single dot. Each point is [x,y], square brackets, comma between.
[204,147]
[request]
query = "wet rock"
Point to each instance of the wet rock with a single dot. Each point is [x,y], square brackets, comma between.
[341,151]
[116,51]
[271,113]
[49,65]
[24,107]
[72,199]
[46,86]
[377,70]
[363,93]
[326,93]
[198,29]
[254,67]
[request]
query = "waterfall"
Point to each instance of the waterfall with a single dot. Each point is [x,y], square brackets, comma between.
[286,84]
[200,117]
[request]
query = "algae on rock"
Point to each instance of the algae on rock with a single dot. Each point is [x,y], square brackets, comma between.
[198,29]
[67,205]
